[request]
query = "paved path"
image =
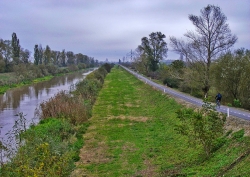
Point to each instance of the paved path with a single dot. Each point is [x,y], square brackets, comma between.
[224,109]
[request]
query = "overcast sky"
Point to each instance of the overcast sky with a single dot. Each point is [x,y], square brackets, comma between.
[110,28]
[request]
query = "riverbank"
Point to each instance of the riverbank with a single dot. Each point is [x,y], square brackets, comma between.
[132,132]
[51,147]
[10,77]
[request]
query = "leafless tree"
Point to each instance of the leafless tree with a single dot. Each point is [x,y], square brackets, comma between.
[211,37]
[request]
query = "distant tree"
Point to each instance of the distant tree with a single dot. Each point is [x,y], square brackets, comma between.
[86,60]
[62,60]
[96,63]
[24,56]
[15,48]
[55,55]
[212,37]
[154,49]
[176,69]
[47,55]
[36,55]
[70,58]
[92,62]
[40,49]
[230,72]
[2,63]
[141,62]
[1,49]
[6,52]
[245,84]
[177,65]
[79,58]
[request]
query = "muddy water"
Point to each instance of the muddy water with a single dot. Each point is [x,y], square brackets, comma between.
[28,98]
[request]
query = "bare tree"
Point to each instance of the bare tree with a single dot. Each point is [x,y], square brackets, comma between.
[212,36]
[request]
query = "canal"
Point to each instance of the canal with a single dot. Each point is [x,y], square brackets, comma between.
[27,99]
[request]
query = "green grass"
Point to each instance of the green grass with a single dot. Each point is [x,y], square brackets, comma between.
[132,133]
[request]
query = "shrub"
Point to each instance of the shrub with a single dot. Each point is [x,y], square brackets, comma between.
[63,105]
[81,66]
[43,70]
[2,66]
[88,89]
[108,67]
[236,103]
[171,82]
[202,127]
[73,68]
[52,69]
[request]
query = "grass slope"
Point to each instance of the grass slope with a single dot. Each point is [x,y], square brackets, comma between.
[132,133]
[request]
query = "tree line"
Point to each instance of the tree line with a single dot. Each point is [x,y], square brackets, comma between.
[208,64]
[12,54]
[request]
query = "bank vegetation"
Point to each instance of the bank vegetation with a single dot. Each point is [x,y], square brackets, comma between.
[51,147]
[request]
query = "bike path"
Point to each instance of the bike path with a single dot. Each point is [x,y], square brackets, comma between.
[196,101]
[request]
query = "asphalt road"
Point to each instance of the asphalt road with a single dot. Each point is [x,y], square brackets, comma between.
[224,109]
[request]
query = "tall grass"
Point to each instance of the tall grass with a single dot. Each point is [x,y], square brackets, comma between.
[63,105]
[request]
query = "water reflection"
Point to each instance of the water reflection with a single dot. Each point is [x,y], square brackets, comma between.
[26,99]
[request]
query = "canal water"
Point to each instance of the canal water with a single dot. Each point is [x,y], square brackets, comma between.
[27,99]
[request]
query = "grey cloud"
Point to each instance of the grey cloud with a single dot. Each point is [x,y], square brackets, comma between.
[109,28]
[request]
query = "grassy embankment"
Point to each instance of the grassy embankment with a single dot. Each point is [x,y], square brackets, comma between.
[132,133]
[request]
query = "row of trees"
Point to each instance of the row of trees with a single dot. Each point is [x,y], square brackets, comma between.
[210,66]
[11,54]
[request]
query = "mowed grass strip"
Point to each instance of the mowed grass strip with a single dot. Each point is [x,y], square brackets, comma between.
[132,132]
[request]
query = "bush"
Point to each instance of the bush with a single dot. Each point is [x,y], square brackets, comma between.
[2,66]
[43,70]
[171,82]
[73,68]
[81,66]
[202,127]
[236,103]
[63,105]
[52,69]
[99,74]
[108,67]
[88,89]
